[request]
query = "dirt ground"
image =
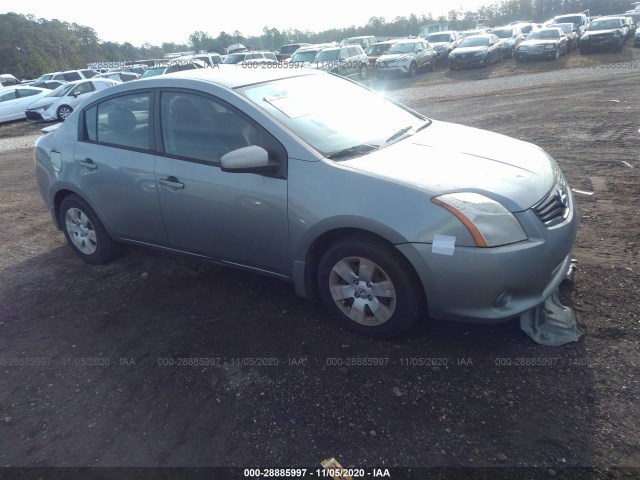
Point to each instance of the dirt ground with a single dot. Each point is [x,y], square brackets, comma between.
[156,360]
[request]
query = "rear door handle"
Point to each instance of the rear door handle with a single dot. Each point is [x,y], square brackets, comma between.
[87,163]
[172,182]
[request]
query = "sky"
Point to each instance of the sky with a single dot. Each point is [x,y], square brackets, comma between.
[139,22]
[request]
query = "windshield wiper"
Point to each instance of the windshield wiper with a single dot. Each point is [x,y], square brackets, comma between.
[399,133]
[353,151]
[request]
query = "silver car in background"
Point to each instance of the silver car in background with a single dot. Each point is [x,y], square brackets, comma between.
[311,178]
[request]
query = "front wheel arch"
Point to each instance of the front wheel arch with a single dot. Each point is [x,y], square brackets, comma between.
[384,314]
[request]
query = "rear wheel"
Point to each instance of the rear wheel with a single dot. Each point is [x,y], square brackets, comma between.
[85,233]
[369,287]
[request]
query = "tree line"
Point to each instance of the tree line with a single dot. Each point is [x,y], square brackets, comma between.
[30,46]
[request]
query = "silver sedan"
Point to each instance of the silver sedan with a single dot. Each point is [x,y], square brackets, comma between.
[313,179]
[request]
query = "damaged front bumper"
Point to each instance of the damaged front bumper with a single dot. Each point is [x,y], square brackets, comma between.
[551,323]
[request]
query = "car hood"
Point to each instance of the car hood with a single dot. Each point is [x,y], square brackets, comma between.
[390,57]
[447,157]
[462,51]
[600,32]
[42,102]
[533,43]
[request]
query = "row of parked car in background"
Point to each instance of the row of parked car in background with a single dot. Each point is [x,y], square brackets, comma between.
[54,96]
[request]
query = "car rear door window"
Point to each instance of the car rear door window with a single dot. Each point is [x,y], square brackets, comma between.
[71,76]
[121,121]
[8,96]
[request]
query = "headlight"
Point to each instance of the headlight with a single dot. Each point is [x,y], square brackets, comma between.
[616,33]
[479,54]
[549,47]
[522,48]
[42,108]
[489,223]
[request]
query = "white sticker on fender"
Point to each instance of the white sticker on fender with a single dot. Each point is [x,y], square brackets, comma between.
[443,244]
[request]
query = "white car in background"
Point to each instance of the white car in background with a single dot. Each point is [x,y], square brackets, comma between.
[59,104]
[15,100]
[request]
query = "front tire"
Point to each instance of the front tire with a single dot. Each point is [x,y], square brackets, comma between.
[413,69]
[85,233]
[369,287]
[63,112]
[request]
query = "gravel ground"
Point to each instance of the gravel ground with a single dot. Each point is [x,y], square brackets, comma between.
[489,85]
[17,143]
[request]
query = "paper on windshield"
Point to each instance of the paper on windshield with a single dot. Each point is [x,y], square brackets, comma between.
[292,107]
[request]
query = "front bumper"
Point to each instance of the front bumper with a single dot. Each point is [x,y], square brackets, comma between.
[465,61]
[34,116]
[383,68]
[535,53]
[491,285]
[601,43]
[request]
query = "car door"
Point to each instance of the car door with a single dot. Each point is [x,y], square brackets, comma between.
[115,167]
[78,93]
[8,98]
[239,218]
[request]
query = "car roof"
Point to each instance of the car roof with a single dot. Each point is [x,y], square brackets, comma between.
[230,76]
[24,87]
[385,42]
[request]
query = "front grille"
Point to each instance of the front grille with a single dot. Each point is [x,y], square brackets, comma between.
[554,208]
[33,116]
[537,49]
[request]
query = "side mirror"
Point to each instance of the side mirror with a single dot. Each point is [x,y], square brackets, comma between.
[251,159]
[420,49]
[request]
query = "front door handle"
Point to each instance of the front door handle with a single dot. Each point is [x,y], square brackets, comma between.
[87,163]
[171,181]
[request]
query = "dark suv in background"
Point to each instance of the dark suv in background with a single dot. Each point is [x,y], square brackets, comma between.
[604,34]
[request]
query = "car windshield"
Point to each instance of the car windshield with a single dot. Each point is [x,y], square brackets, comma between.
[565,28]
[470,33]
[439,37]
[378,49]
[235,58]
[327,55]
[544,34]
[152,72]
[576,20]
[604,24]
[289,49]
[503,32]
[402,48]
[474,42]
[305,56]
[332,114]
[61,91]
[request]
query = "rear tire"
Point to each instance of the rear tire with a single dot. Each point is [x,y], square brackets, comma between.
[85,233]
[369,287]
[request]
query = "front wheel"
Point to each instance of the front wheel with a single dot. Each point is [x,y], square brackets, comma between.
[413,69]
[85,233]
[63,112]
[369,287]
